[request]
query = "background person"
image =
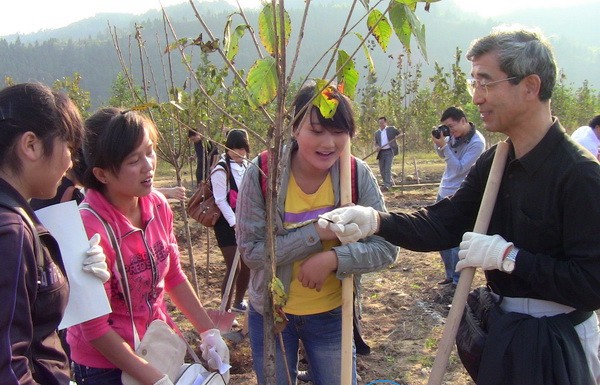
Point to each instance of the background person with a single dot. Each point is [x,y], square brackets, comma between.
[589,136]
[385,142]
[225,179]
[121,162]
[459,150]
[205,153]
[540,254]
[174,192]
[310,260]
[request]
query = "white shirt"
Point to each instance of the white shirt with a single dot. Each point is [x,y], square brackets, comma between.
[385,144]
[586,137]
[220,187]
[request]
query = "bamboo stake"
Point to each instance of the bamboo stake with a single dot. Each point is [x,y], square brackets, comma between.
[466,275]
[348,282]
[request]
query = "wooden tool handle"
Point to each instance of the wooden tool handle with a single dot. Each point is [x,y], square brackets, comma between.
[466,275]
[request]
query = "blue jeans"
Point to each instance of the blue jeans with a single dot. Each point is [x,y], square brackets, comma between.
[450,259]
[321,336]
[85,375]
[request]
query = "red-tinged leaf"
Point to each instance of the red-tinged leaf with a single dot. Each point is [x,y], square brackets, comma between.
[324,99]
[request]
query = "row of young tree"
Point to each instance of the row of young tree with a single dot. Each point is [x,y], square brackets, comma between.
[409,102]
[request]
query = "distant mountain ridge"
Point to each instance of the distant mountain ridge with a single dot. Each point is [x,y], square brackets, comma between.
[85,46]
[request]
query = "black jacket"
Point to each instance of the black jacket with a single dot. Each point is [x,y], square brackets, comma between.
[33,300]
[544,207]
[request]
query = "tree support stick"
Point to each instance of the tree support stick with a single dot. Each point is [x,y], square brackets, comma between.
[348,282]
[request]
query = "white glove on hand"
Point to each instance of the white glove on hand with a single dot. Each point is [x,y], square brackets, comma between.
[481,250]
[351,223]
[214,350]
[95,263]
[164,381]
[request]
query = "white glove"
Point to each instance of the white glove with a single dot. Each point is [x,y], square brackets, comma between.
[215,351]
[164,381]
[95,263]
[481,250]
[351,223]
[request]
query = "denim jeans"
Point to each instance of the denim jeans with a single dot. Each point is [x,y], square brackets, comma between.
[321,336]
[450,259]
[84,375]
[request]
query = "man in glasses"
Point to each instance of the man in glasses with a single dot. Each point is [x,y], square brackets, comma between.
[457,142]
[540,254]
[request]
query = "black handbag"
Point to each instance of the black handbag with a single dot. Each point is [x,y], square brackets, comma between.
[481,311]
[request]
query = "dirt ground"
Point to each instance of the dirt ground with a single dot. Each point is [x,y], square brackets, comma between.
[404,309]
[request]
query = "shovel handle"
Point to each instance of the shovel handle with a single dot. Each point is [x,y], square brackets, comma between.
[466,275]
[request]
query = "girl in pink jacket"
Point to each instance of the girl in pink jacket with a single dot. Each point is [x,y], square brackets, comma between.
[121,162]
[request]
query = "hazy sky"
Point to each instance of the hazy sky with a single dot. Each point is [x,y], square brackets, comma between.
[26,16]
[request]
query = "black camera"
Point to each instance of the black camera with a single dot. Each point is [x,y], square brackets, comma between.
[440,130]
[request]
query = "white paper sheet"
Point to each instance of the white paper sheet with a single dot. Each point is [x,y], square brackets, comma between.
[87,297]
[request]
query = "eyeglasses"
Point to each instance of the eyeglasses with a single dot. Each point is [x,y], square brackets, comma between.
[474,84]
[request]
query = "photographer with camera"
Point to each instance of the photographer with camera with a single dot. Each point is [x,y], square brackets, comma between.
[458,142]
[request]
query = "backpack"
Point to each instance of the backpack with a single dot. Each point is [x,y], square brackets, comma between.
[263,164]
[232,191]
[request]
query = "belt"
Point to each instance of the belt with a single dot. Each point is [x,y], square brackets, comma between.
[578,316]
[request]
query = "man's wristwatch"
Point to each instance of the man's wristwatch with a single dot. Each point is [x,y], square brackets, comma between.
[508,264]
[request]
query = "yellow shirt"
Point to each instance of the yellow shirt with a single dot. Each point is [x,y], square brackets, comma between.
[301,207]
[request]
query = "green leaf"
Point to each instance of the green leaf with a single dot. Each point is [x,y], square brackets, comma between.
[144,106]
[183,42]
[262,82]
[174,103]
[232,50]
[367,53]
[268,27]
[227,33]
[347,74]
[326,104]
[382,31]
[405,23]
[400,23]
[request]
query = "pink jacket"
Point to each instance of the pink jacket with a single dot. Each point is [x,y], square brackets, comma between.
[151,258]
